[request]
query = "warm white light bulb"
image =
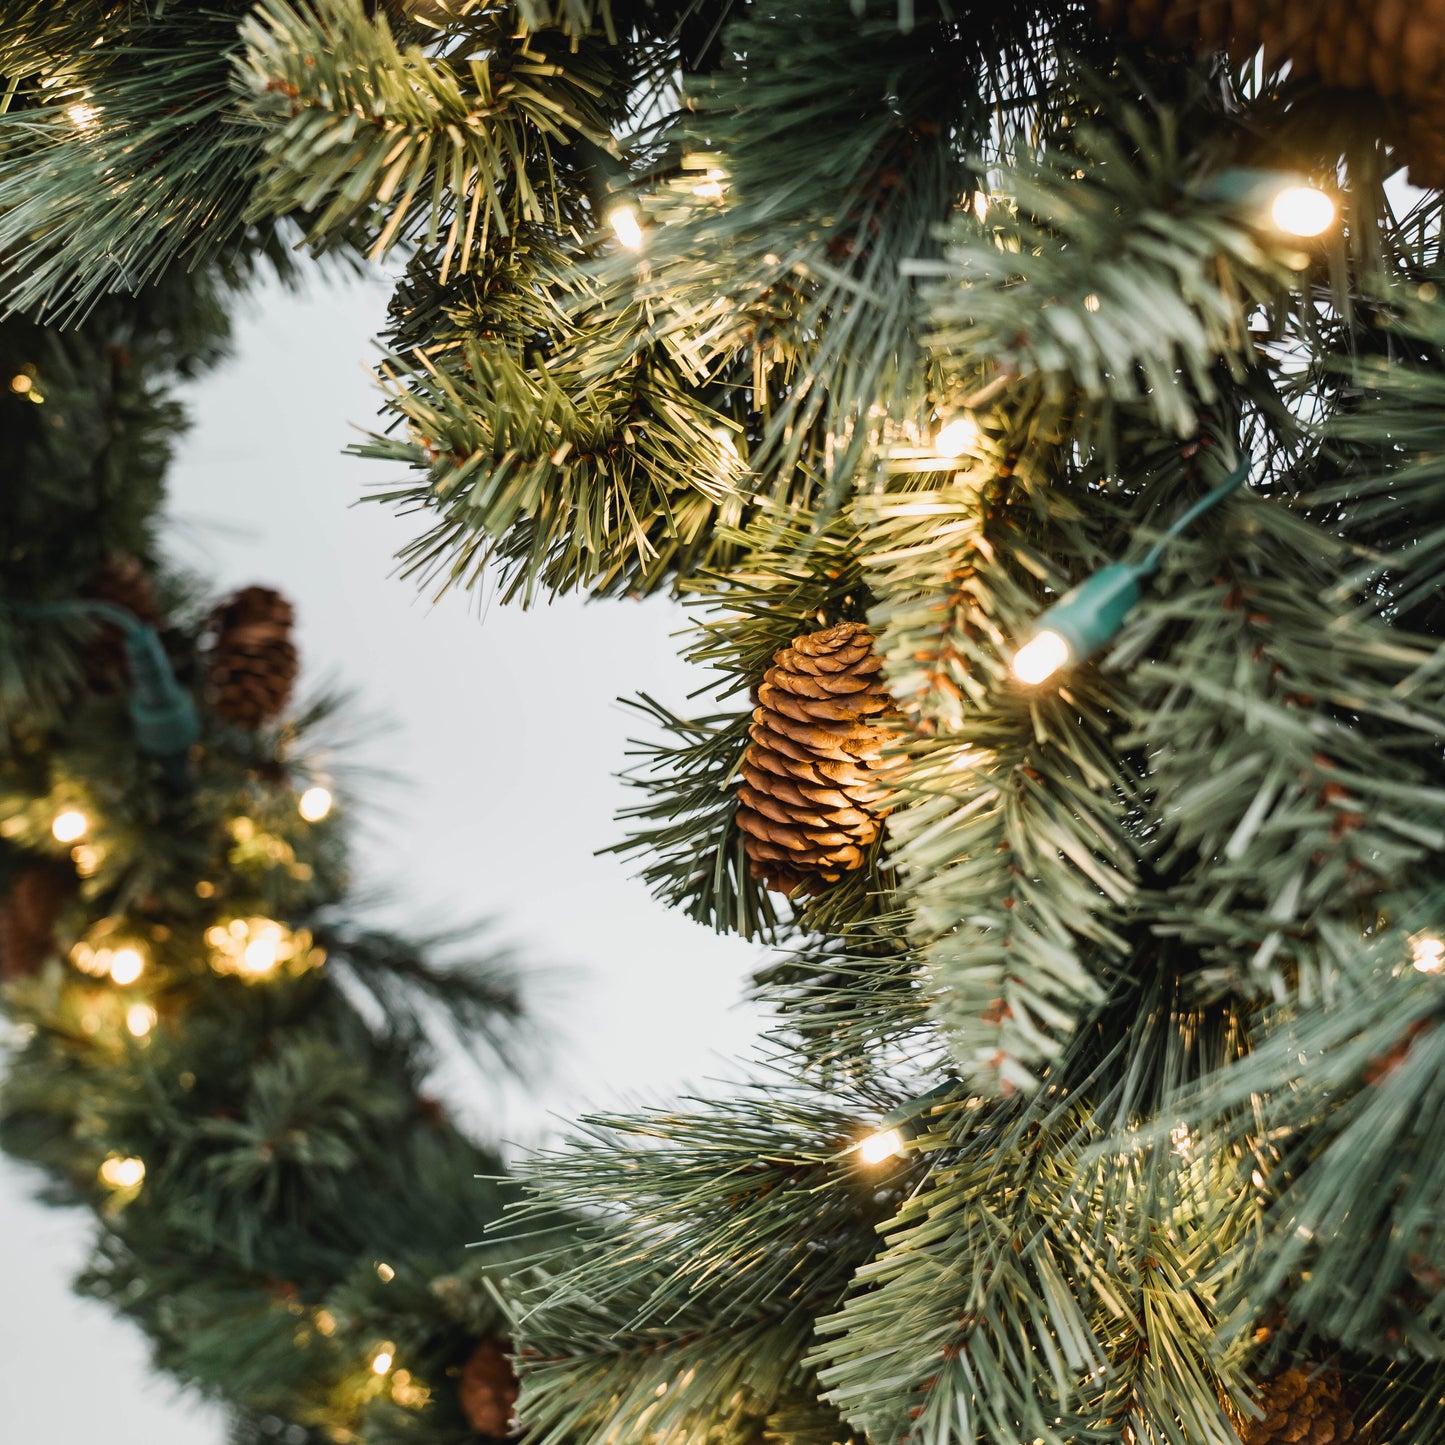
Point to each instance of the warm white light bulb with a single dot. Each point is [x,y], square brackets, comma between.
[140,1019]
[314,804]
[381,1360]
[1302,211]
[69,826]
[20,383]
[126,965]
[1040,658]
[118,1173]
[625,225]
[262,953]
[880,1146]
[82,116]
[956,437]
[1429,954]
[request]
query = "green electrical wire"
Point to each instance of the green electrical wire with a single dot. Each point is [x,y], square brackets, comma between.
[163,712]
[1087,616]
[1149,564]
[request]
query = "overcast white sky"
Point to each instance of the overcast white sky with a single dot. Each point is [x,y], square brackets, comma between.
[507,737]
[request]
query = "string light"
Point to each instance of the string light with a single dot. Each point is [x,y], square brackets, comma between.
[1080,622]
[140,1019]
[408,1393]
[122,1172]
[82,115]
[69,826]
[1087,616]
[1429,953]
[20,383]
[256,947]
[87,959]
[1302,211]
[314,804]
[890,1136]
[956,438]
[385,1273]
[884,1144]
[625,225]
[126,965]
[1041,657]
[381,1358]
[1288,203]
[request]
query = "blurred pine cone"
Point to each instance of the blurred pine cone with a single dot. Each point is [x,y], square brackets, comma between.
[488,1389]
[1394,47]
[252,662]
[123,582]
[1303,1407]
[812,800]
[28,915]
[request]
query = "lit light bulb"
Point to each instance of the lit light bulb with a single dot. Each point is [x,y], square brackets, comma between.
[314,804]
[1040,658]
[261,953]
[126,965]
[625,225]
[885,1144]
[69,826]
[122,1173]
[1302,211]
[384,1272]
[382,1358]
[82,116]
[1429,954]
[713,186]
[20,383]
[956,437]
[140,1019]
[256,947]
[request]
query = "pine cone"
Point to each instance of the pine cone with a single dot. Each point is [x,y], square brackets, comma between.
[1303,1407]
[1394,47]
[28,914]
[811,801]
[123,582]
[488,1389]
[252,659]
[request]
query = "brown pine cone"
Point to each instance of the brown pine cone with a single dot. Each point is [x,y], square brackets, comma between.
[488,1389]
[28,914]
[1303,1407]
[812,800]
[252,662]
[123,582]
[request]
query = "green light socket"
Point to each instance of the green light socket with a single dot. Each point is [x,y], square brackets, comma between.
[1088,615]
